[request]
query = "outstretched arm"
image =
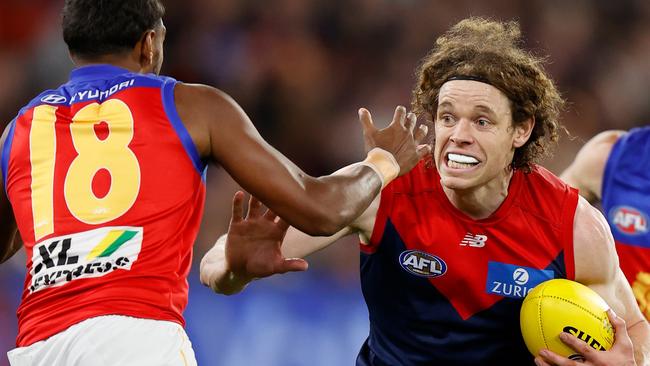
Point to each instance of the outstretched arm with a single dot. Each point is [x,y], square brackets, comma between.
[596,265]
[318,206]
[254,248]
[8,245]
[257,238]
[587,170]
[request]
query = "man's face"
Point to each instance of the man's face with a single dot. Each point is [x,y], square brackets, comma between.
[474,137]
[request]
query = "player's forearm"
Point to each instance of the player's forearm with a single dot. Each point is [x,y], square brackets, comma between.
[640,335]
[215,274]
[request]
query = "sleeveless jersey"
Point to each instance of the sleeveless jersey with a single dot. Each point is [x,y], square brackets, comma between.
[444,289]
[107,190]
[626,204]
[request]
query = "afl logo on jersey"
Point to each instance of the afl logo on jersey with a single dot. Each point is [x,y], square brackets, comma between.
[628,220]
[54,99]
[422,264]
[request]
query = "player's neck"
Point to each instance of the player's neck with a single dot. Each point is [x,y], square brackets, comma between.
[114,60]
[481,202]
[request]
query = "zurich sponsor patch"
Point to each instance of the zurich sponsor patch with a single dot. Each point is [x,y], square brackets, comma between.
[628,220]
[514,281]
[422,264]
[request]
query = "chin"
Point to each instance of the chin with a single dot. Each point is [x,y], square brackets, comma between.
[456,183]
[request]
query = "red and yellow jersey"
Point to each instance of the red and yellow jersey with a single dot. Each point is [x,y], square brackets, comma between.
[107,189]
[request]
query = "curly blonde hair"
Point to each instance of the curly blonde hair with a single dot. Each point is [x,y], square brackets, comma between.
[489,51]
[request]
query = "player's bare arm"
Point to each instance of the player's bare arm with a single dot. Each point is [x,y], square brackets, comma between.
[257,238]
[596,265]
[251,249]
[320,206]
[587,170]
[8,245]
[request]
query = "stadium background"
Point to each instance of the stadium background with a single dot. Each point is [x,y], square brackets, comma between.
[301,69]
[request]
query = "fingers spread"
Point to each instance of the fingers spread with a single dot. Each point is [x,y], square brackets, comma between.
[366,120]
[399,116]
[270,215]
[421,133]
[237,207]
[410,122]
[255,208]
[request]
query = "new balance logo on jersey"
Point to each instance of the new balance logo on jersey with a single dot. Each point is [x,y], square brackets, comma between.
[477,241]
[93,253]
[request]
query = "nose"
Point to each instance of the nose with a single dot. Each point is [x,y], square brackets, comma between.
[462,134]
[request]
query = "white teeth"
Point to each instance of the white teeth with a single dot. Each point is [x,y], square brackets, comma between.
[455,165]
[464,159]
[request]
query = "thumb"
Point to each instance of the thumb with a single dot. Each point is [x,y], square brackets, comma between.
[292,265]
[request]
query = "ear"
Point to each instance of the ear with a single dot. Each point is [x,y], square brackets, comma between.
[147,49]
[522,132]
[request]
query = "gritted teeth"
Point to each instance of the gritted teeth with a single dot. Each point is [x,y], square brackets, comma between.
[462,159]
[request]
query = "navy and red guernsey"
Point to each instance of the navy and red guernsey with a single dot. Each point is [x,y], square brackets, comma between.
[626,203]
[444,289]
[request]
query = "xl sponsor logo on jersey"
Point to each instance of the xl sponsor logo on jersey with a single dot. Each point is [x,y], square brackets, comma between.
[94,253]
[629,220]
[422,264]
[510,280]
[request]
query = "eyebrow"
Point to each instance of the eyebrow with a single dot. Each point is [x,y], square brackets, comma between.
[481,107]
[485,109]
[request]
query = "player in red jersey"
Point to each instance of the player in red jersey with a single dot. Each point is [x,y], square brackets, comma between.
[104,179]
[612,168]
[450,250]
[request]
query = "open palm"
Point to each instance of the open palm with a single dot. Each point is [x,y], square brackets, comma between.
[253,246]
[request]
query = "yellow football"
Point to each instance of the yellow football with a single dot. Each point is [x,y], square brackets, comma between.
[561,305]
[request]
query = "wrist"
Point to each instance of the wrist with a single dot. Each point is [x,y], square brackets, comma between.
[383,163]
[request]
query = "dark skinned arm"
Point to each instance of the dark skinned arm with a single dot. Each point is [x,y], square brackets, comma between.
[316,205]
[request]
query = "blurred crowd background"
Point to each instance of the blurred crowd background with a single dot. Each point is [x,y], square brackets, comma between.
[301,69]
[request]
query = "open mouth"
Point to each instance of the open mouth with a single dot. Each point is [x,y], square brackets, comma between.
[461,161]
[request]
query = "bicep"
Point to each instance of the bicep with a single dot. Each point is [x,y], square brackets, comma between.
[596,263]
[224,134]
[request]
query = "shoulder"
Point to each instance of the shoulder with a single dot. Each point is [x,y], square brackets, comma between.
[595,256]
[208,113]
[596,151]
[203,96]
[587,169]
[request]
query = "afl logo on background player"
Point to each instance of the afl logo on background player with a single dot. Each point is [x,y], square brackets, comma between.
[422,264]
[628,220]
